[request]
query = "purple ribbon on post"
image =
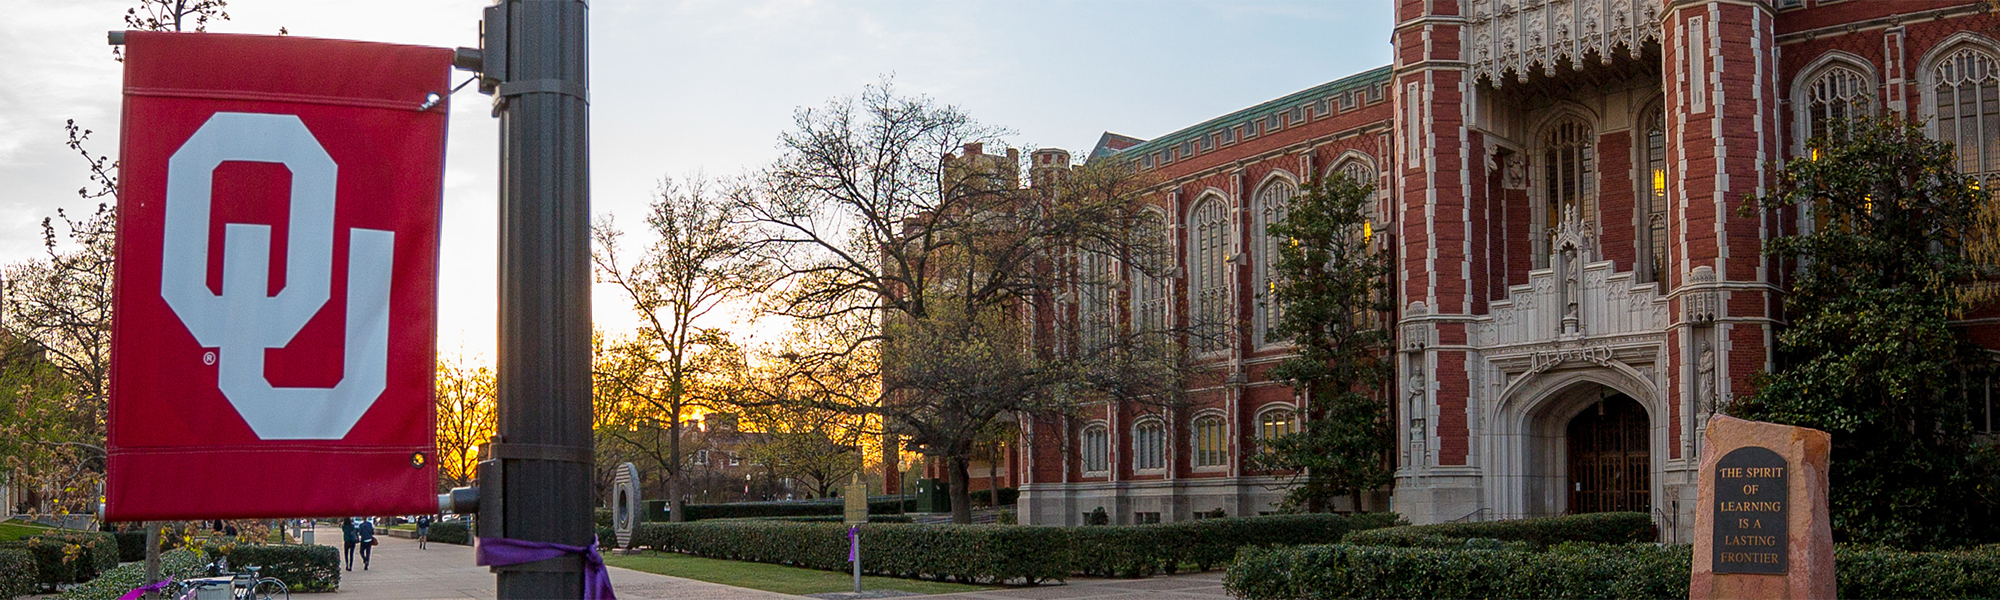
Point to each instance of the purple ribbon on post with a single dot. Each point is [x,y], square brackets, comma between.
[141,591]
[853,543]
[502,552]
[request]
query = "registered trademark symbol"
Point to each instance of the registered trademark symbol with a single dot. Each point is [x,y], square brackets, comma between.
[208,358]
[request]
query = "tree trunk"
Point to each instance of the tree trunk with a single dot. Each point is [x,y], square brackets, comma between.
[993,477]
[676,484]
[961,494]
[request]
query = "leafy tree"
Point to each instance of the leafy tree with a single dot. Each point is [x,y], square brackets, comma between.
[819,447]
[1868,354]
[1333,291]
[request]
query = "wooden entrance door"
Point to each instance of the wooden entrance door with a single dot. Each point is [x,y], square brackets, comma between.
[1609,467]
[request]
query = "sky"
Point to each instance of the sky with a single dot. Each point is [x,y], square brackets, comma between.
[706,86]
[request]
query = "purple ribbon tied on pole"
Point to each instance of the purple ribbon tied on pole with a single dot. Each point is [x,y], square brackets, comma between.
[853,543]
[141,591]
[502,552]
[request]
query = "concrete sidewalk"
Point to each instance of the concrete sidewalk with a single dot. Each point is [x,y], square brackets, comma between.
[400,571]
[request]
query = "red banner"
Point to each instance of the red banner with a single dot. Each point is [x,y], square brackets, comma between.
[276,294]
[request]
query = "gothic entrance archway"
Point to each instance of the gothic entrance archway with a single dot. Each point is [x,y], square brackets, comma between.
[1610,468]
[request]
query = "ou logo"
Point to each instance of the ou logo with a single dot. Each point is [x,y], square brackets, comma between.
[244,320]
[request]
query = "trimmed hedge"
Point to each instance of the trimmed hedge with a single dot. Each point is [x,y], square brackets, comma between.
[1000,553]
[1576,570]
[1568,571]
[302,568]
[764,510]
[451,533]
[131,545]
[17,573]
[1603,528]
[68,556]
[968,553]
[179,563]
[827,519]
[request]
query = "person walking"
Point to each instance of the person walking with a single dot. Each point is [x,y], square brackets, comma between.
[350,536]
[367,531]
[423,532]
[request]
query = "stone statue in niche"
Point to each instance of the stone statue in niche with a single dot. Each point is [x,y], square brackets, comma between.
[1704,367]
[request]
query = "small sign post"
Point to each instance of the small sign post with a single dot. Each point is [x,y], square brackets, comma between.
[856,497]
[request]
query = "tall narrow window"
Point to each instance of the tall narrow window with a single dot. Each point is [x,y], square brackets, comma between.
[1272,203]
[1095,315]
[1967,96]
[1836,94]
[1096,448]
[1211,442]
[1149,292]
[1653,218]
[1362,172]
[1149,445]
[1208,244]
[1569,179]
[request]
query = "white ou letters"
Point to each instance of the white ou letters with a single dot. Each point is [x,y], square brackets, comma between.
[245,320]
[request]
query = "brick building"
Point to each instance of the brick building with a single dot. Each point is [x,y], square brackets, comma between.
[1557,182]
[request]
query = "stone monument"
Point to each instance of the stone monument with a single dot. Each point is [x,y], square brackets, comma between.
[1761,528]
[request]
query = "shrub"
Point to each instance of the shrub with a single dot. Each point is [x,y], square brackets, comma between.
[761,510]
[302,568]
[451,533]
[56,562]
[1576,570]
[1000,553]
[1350,571]
[1887,573]
[826,519]
[99,550]
[971,553]
[17,573]
[601,518]
[131,545]
[179,563]
[1605,528]
[1008,497]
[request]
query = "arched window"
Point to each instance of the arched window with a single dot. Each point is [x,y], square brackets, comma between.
[1277,423]
[1096,448]
[1272,203]
[1208,258]
[1095,315]
[1149,294]
[1834,94]
[1211,441]
[1569,179]
[1653,204]
[1149,445]
[1966,95]
[1362,171]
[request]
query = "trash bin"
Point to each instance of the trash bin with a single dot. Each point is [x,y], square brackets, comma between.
[306,537]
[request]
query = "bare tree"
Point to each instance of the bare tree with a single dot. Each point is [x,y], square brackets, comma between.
[699,262]
[947,256]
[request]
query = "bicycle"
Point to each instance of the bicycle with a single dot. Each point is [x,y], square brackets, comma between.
[246,585]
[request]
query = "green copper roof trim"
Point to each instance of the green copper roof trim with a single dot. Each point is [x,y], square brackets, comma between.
[1362,80]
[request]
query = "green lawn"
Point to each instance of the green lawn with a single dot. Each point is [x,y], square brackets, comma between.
[773,578]
[14,530]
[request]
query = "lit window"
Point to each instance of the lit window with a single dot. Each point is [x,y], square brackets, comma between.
[1096,448]
[1277,423]
[1210,442]
[1149,445]
[1653,225]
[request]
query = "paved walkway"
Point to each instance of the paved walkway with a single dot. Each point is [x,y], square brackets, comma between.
[400,571]
[1196,586]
